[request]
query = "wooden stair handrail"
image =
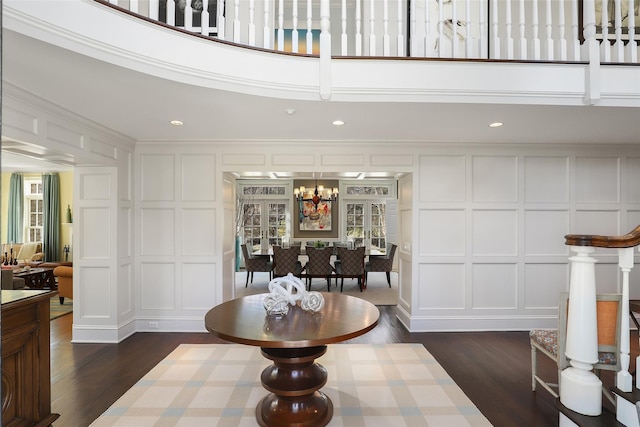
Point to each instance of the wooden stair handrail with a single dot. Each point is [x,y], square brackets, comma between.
[628,240]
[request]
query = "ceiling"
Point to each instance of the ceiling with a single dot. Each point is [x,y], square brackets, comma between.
[141,107]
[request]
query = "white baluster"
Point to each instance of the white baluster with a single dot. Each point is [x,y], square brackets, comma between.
[236,21]
[484,30]
[624,380]
[400,42]
[467,34]
[618,45]
[536,28]
[372,26]
[413,19]
[605,48]
[562,37]
[188,16]
[281,25]
[509,36]
[221,23]
[294,30]
[427,27]
[521,33]
[455,40]
[204,19]
[344,40]
[309,27]
[171,12]
[358,28]
[154,9]
[134,6]
[266,29]
[252,24]
[580,388]
[325,49]
[385,26]
[632,47]
[494,26]
[549,27]
[575,32]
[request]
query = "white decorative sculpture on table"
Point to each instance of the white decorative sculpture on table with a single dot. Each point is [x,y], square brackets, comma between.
[282,295]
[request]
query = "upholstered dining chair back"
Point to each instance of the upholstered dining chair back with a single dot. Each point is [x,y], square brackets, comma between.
[350,264]
[552,342]
[255,263]
[286,261]
[319,265]
[382,263]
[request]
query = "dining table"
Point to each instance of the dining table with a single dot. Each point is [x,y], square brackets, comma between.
[293,342]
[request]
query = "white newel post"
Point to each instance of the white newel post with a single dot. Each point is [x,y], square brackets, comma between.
[624,380]
[580,388]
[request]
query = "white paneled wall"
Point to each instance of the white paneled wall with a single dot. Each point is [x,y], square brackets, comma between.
[491,252]
[178,237]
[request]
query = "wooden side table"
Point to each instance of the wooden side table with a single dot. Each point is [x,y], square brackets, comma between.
[293,342]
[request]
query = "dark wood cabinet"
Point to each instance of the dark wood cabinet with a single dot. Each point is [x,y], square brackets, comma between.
[26,365]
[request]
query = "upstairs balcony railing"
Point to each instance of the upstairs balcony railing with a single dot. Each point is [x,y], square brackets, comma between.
[537,30]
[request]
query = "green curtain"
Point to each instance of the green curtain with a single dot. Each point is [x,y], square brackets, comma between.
[51,216]
[15,212]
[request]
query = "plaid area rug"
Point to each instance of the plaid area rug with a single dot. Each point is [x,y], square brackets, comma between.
[370,385]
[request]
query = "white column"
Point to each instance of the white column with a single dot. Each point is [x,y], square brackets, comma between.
[580,388]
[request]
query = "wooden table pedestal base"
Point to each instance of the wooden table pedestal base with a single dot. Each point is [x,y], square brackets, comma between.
[294,381]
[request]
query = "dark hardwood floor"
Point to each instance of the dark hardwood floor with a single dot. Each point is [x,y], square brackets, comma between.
[492,368]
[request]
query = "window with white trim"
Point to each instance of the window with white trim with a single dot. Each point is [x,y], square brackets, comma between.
[34,218]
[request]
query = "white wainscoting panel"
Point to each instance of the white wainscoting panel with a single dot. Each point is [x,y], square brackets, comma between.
[125,239]
[495,232]
[603,222]
[95,187]
[608,275]
[597,180]
[543,284]
[443,232]
[158,283]
[544,231]
[198,286]
[442,286]
[342,160]
[102,148]
[442,178]
[494,286]
[546,179]
[293,160]
[495,179]
[198,176]
[64,135]
[198,236]
[95,292]
[125,289]
[95,241]
[19,121]
[632,189]
[157,177]
[157,231]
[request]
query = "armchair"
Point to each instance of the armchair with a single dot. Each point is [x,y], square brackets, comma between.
[65,282]
[382,262]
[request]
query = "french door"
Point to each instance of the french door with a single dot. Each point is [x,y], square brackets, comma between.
[266,223]
[365,223]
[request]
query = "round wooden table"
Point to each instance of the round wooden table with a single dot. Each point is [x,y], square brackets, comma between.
[293,342]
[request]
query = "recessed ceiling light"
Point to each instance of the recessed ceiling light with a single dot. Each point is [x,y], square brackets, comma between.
[496,124]
[176,122]
[338,122]
[290,111]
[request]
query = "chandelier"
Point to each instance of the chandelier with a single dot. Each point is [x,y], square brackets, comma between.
[317,196]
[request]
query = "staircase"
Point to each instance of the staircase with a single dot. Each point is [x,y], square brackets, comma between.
[580,401]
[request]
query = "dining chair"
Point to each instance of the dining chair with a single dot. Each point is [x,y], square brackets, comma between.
[382,262]
[319,265]
[286,261]
[255,263]
[552,342]
[350,264]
